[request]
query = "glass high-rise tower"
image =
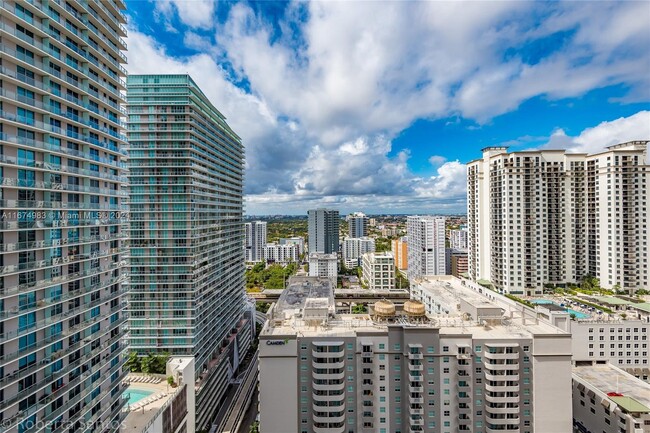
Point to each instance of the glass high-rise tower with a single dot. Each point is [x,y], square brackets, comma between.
[62,228]
[187,233]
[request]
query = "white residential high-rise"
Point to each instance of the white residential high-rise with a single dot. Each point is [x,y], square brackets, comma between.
[255,241]
[64,223]
[357,225]
[353,248]
[426,246]
[458,239]
[323,230]
[539,217]
[378,270]
[474,366]
[279,253]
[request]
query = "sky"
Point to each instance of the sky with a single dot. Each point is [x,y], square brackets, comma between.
[376,106]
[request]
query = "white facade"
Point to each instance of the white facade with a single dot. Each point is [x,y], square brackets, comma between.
[379,270]
[623,343]
[279,253]
[445,373]
[353,248]
[607,399]
[255,241]
[295,240]
[458,239]
[323,265]
[426,246]
[548,216]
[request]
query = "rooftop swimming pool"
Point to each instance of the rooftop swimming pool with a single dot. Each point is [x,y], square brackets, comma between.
[136,395]
[578,314]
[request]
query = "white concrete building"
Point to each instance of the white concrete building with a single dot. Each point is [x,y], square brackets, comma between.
[166,409]
[295,240]
[473,369]
[606,399]
[623,343]
[357,225]
[539,217]
[426,246]
[323,265]
[378,270]
[458,239]
[279,253]
[255,241]
[353,248]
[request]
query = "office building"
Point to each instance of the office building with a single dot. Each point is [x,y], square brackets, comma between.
[470,367]
[187,262]
[63,269]
[295,240]
[458,239]
[323,265]
[378,271]
[539,217]
[357,225]
[277,253]
[323,230]
[607,399]
[426,246]
[399,248]
[353,248]
[255,241]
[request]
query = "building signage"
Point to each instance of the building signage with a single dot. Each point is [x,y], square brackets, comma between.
[276,342]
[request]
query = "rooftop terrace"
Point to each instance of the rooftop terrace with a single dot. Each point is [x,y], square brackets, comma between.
[608,379]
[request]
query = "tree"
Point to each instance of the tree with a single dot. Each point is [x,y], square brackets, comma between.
[255,428]
[401,282]
[133,362]
[359,309]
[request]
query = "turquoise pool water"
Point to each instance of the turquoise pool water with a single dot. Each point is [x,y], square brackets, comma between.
[578,314]
[137,394]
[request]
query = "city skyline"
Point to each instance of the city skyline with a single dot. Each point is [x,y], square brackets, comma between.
[380,113]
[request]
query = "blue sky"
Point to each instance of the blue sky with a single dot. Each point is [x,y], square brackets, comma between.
[376,106]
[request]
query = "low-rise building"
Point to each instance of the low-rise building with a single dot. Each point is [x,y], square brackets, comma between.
[323,265]
[278,253]
[378,271]
[161,407]
[474,367]
[294,240]
[607,399]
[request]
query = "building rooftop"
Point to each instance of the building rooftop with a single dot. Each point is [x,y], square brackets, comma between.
[141,414]
[299,290]
[628,392]
[611,300]
[288,316]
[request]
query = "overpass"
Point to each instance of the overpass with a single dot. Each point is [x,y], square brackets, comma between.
[344,295]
